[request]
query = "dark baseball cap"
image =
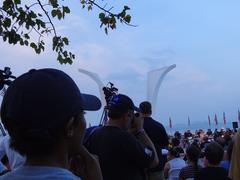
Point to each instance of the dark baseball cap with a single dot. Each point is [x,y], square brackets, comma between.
[44,97]
[121,101]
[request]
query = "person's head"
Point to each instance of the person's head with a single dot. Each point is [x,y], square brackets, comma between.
[121,110]
[145,108]
[193,153]
[177,135]
[44,110]
[220,141]
[213,154]
[205,139]
[173,153]
[175,142]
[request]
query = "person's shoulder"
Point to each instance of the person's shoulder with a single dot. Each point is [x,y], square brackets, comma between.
[186,168]
[217,170]
[150,120]
[38,173]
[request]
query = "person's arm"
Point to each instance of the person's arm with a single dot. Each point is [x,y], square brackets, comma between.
[86,166]
[141,135]
[166,170]
[144,139]
[3,169]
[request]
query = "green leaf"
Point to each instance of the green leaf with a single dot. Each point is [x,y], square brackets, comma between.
[59,14]
[26,36]
[66,9]
[101,15]
[26,43]
[127,18]
[106,31]
[33,45]
[65,40]
[17,1]
[54,13]
[32,14]
[89,7]
[126,8]
[7,22]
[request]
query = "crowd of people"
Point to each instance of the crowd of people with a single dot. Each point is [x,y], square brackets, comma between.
[43,113]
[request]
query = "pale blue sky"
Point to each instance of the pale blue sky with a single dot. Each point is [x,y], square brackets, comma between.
[201,37]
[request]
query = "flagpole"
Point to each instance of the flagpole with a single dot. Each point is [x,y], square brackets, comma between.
[189,124]
[238,116]
[224,119]
[170,125]
[216,121]
[209,122]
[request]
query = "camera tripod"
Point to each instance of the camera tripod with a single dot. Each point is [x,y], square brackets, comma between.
[104,116]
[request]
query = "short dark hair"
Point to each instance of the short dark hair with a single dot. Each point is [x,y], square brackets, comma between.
[119,105]
[214,153]
[115,113]
[174,152]
[145,107]
[34,142]
[175,141]
[193,153]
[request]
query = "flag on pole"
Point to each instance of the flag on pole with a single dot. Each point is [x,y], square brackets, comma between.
[170,122]
[215,119]
[224,118]
[188,121]
[238,115]
[209,121]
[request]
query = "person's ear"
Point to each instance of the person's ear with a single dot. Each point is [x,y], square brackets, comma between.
[69,129]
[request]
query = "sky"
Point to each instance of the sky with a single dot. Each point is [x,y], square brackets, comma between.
[201,37]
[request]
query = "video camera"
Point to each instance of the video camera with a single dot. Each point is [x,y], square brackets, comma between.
[5,77]
[109,91]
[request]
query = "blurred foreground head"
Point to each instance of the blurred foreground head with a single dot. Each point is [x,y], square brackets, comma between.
[43,110]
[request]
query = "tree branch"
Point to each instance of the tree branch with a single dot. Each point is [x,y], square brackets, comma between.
[109,12]
[54,30]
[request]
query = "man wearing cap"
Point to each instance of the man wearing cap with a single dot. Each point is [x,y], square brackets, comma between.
[159,137]
[43,111]
[123,155]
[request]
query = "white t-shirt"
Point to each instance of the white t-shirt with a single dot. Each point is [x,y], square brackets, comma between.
[14,158]
[39,173]
[176,163]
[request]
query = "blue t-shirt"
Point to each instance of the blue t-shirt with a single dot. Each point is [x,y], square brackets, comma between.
[225,164]
[39,173]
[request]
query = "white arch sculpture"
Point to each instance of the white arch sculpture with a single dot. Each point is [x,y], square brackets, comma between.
[154,80]
[100,84]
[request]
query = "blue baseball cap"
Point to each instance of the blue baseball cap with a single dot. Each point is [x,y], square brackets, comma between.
[44,97]
[121,101]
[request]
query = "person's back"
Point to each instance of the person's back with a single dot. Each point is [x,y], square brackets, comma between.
[176,163]
[159,137]
[157,133]
[210,173]
[123,147]
[213,156]
[192,169]
[120,156]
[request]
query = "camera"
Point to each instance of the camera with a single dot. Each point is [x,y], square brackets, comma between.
[109,92]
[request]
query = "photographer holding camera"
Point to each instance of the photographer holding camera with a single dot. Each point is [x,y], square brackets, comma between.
[123,147]
[159,137]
